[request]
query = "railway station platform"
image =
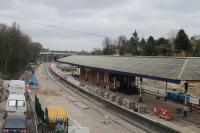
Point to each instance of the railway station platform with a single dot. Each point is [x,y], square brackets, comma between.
[151,101]
[186,124]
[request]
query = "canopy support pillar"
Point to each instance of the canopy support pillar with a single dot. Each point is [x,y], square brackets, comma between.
[97,78]
[86,75]
[114,83]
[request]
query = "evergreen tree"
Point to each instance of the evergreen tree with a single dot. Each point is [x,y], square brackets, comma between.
[182,41]
[163,46]
[142,46]
[150,47]
[134,42]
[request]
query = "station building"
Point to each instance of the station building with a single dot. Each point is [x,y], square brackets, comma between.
[126,74]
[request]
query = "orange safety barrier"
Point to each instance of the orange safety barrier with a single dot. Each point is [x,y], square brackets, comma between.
[194,107]
[163,113]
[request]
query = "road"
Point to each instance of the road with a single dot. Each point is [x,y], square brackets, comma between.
[53,92]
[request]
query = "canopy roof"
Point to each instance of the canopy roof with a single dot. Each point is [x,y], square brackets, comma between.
[160,68]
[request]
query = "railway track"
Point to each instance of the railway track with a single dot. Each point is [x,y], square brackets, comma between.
[145,126]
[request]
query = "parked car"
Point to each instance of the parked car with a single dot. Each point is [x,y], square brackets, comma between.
[15,123]
[16,103]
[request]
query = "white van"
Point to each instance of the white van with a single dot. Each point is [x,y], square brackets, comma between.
[16,86]
[16,103]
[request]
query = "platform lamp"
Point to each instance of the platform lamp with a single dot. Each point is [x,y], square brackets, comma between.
[140,97]
[185,100]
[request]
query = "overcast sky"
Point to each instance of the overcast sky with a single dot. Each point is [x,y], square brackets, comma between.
[104,17]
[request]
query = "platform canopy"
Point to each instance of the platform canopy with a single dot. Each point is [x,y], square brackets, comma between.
[169,69]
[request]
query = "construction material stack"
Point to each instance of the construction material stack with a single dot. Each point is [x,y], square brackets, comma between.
[57,119]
